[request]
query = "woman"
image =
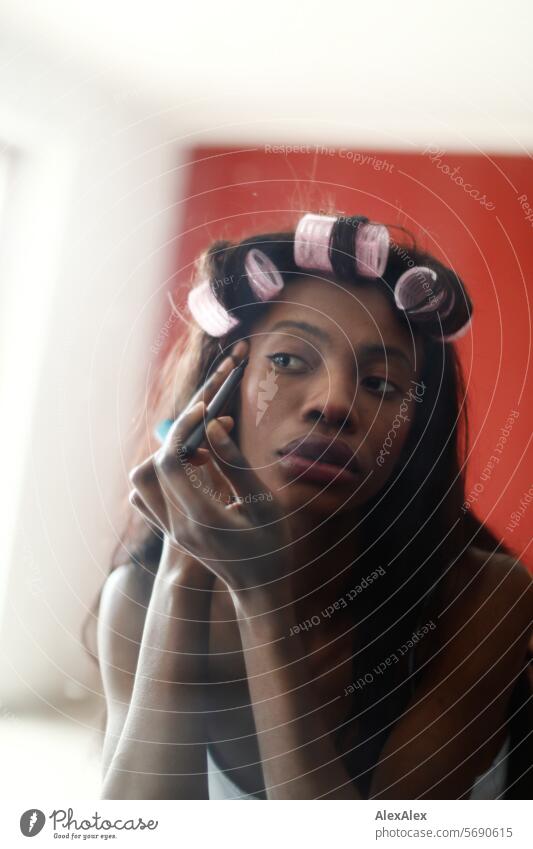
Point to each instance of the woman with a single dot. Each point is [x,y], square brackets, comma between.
[291,628]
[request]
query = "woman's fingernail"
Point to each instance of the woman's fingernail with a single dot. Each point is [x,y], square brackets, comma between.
[224,365]
[226,421]
[218,432]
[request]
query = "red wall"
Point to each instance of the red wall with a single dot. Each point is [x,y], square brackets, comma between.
[232,192]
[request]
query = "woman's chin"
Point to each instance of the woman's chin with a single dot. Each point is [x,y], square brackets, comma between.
[317,498]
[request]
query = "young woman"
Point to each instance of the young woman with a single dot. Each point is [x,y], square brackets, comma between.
[308,607]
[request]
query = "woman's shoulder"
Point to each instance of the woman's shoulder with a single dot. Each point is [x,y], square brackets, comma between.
[497,570]
[124,599]
[485,620]
[492,587]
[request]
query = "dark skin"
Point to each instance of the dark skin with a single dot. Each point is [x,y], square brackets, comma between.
[289,690]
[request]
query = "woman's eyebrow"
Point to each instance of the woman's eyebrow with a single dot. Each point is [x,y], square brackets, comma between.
[323,335]
[384,352]
[364,352]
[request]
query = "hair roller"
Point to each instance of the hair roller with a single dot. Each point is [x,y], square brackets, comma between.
[420,293]
[371,249]
[429,298]
[264,279]
[458,322]
[312,241]
[342,247]
[209,312]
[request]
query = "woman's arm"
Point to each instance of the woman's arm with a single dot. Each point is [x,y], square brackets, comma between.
[156,696]
[246,548]
[443,740]
[299,758]
[161,752]
[121,616]
[448,734]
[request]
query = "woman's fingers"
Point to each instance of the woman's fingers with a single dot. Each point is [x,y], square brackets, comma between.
[165,480]
[219,487]
[203,455]
[168,458]
[184,424]
[198,494]
[148,497]
[208,391]
[138,502]
[145,482]
[232,462]
[181,486]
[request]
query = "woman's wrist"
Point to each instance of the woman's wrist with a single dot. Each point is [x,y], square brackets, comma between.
[180,569]
[260,585]
[264,607]
[177,623]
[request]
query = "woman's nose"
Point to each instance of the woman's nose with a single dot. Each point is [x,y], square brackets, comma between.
[334,403]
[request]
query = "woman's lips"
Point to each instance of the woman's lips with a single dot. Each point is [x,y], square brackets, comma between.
[316,470]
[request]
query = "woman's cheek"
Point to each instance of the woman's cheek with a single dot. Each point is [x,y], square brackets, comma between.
[389,442]
[258,414]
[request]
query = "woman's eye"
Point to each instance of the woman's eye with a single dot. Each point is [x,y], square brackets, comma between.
[382,390]
[280,359]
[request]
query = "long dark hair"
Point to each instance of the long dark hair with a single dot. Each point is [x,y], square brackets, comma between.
[414,528]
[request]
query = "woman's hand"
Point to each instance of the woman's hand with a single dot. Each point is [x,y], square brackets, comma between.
[146,495]
[213,505]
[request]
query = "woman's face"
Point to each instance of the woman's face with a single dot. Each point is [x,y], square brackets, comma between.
[332,362]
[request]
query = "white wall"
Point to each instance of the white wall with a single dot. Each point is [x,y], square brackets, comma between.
[397,75]
[90,214]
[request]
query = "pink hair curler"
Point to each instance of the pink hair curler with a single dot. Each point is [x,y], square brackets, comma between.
[416,293]
[371,249]
[208,312]
[263,276]
[419,292]
[312,242]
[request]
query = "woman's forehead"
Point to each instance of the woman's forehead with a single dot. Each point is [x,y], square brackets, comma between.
[342,309]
